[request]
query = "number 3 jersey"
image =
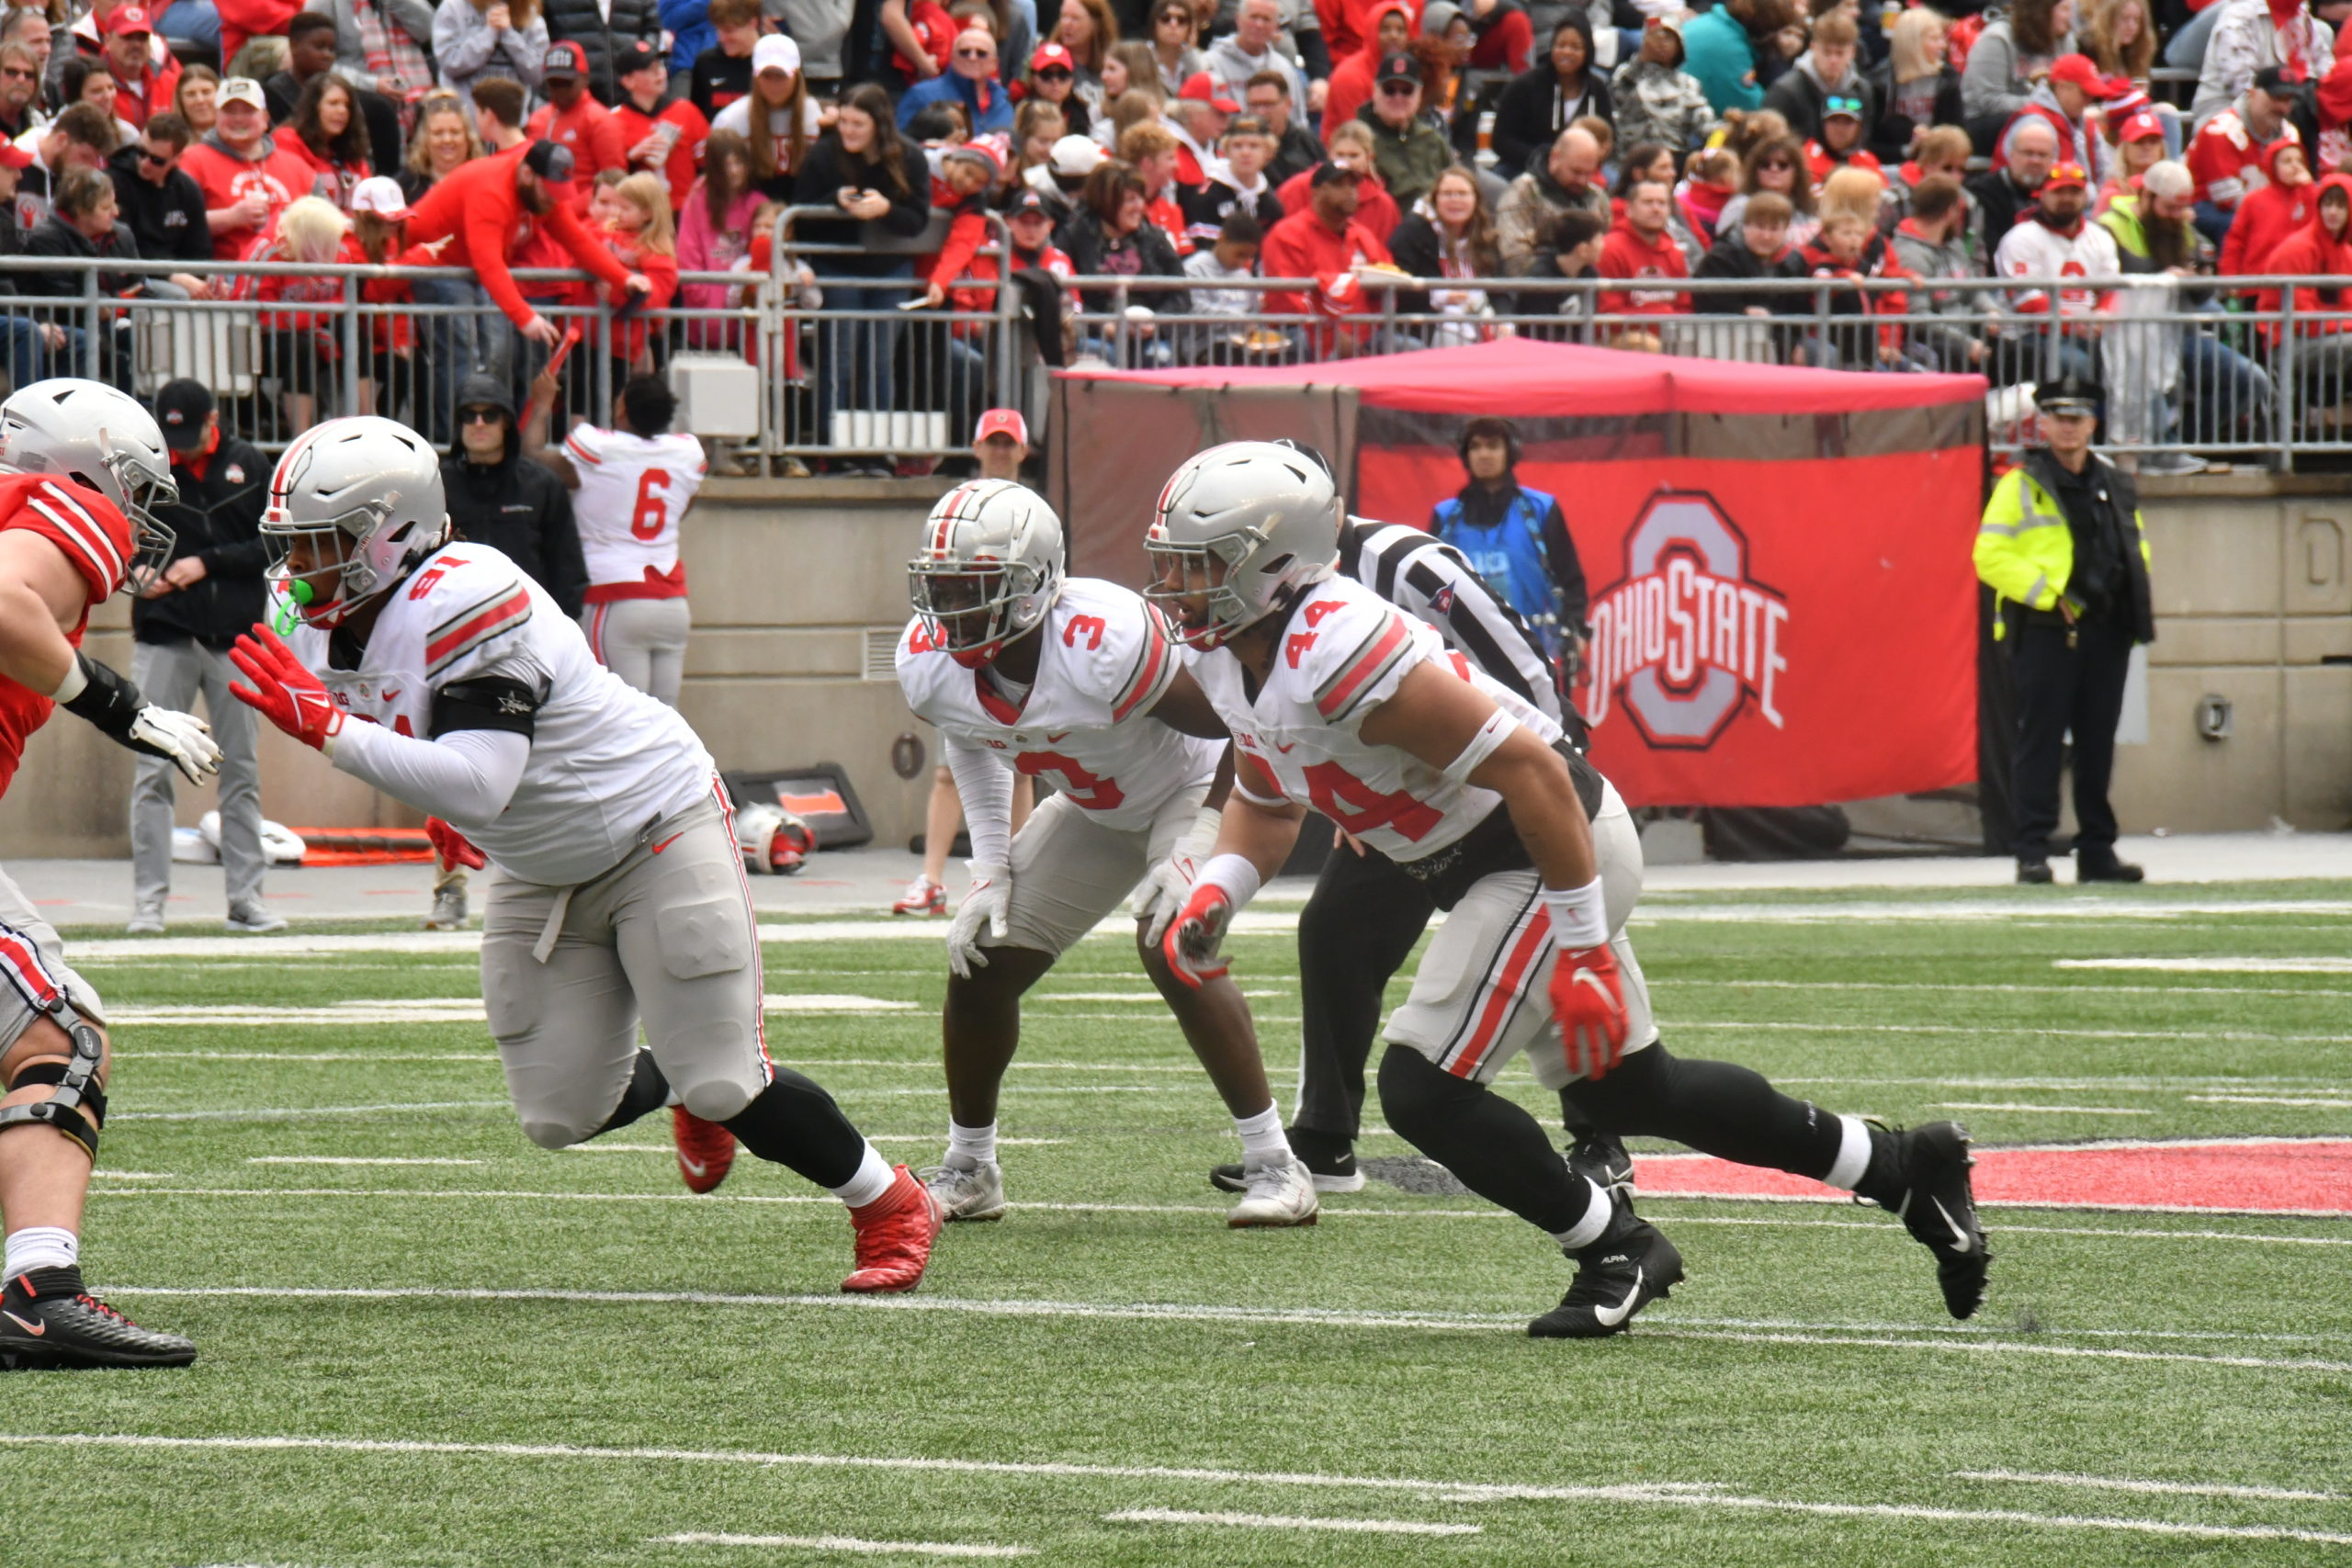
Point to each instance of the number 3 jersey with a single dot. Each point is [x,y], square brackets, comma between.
[1103,660]
[1344,652]
[633,491]
[605,761]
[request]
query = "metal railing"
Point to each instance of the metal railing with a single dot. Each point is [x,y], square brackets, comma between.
[2224,368]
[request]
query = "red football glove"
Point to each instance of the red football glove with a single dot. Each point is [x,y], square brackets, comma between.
[1195,934]
[1589,1004]
[451,848]
[285,691]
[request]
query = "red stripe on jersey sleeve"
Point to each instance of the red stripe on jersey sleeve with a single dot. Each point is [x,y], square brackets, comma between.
[1153,663]
[1343,691]
[572,444]
[515,607]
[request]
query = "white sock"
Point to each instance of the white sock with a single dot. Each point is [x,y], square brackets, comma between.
[1597,1212]
[874,1178]
[41,1246]
[968,1148]
[1853,1155]
[1262,1142]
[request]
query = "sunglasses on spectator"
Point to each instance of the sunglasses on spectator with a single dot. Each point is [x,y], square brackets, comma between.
[18,71]
[1776,164]
[976,54]
[1182,19]
[149,155]
[1053,74]
[479,416]
[1398,89]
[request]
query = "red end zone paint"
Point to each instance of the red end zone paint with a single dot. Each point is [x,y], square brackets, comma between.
[2270,1176]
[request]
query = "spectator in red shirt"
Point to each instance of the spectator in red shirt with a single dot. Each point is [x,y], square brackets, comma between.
[642,236]
[2226,154]
[2323,323]
[1640,247]
[2270,214]
[1352,150]
[1154,151]
[574,119]
[141,89]
[247,178]
[665,139]
[327,132]
[379,231]
[303,348]
[1326,242]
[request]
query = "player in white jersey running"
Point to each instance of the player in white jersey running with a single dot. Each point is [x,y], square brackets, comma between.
[633,484]
[1338,700]
[1076,683]
[443,675]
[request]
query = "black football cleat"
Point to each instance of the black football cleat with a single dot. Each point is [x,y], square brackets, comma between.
[2035,873]
[2106,868]
[1631,1266]
[1600,1159]
[1922,1177]
[47,1319]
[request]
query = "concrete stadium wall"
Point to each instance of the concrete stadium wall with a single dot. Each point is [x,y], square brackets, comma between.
[798,592]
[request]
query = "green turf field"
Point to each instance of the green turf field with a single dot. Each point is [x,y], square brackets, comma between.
[426,1342]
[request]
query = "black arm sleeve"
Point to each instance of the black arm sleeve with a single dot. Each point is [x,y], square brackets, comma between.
[1567,571]
[111,701]
[486,702]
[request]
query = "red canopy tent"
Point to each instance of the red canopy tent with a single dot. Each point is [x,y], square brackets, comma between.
[1781,602]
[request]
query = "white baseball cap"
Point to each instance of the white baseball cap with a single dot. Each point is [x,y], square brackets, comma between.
[774,53]
[243,90]
[381,196]
[1075,157]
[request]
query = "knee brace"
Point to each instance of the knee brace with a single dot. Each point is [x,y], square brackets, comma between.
[77,1093]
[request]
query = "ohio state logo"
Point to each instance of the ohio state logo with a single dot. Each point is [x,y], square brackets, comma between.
[1689,638]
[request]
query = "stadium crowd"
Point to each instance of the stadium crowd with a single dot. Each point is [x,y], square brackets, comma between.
[1431,167]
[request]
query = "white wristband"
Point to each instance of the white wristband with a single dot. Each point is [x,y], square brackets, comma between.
[1235,875]
[1579,916]
[1200,839]
[74,685]
[1483,745]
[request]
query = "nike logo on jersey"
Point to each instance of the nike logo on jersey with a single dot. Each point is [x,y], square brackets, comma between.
[1058,739]
[1610,1318]
[391,692]
[1285,750]
[34,1329]
[657,850]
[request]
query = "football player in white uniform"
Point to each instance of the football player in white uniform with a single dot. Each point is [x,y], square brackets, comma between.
[443,675]
[633,483]
[1076,683]
[1338,700]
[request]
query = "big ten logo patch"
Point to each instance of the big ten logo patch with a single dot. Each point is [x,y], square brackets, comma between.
[1688,639]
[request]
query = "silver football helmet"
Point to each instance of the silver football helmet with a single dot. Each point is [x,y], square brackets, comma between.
[99,439]
[989,567]
[1250,525]
[354,505]
[773,842]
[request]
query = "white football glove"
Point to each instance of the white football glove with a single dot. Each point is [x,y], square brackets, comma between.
[1165,886]
[183,737]
[988,899]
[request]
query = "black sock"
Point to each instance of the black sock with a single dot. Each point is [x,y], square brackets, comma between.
[1499,1152]
[646,1093]
[1717,1108]
[796,1124]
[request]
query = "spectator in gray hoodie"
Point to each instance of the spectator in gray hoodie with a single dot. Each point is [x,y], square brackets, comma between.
[1932,245]
[1655,99]
[1253,45]
[494,37]
[2014,51]
[1822,72]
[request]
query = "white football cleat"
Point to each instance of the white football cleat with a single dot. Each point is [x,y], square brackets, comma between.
[1276,1195]
[967,1193]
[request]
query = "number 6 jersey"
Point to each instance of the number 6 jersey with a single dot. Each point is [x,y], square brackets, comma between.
[633,491]
[1343,653]
[1085,727]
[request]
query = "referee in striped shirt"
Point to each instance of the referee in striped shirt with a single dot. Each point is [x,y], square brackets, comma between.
[1366,913]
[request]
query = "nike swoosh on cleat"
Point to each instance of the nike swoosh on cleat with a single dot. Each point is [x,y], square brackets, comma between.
[1960,1237]
[1610,1318]
[34,1329]
[693,1168]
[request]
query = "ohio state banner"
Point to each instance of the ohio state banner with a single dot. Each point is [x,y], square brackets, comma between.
[1778,632]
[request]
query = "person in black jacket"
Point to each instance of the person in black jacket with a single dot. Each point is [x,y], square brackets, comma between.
[181,626]
[311,49]
[161,206]
[83,227]
[1542,103]
[1758,249]
[882,186]
[516,507]
[603,31]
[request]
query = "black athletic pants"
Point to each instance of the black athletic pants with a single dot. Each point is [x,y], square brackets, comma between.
[2066,682]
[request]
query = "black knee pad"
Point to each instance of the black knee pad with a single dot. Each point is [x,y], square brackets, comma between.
[93,1101]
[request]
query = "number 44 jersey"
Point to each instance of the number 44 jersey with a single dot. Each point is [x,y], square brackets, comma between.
[1103,660]
[633,491]
[1344,652]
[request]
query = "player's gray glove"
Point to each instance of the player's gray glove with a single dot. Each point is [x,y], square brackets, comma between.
[986,902]
[1165,886]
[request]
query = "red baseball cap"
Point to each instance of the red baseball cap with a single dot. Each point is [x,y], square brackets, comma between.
[13,157]
[2066,175]
[1201,87]
[2142,126]
[2079,71]
[129,19]
[1053,54]
[1002,422]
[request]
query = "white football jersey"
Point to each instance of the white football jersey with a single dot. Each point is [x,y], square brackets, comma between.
[1104,661]
[605,759]
[1343,653]
[633,493]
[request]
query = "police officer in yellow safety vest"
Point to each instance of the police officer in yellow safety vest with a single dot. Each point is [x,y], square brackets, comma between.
[2064,551]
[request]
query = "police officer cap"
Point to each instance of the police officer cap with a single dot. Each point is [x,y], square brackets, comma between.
[2069,394]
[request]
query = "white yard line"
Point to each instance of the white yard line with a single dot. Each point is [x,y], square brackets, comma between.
[346,1159]
[1253,1316]
[279,1113]
[2007,1228]
[1690,1495]
[2088,989]
[2338,1103]
[2153,1488]
[1285,1522]
[849,1543]
[2046,1109]
[2285,966]
[2247,1036]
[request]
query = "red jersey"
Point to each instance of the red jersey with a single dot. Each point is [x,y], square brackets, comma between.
[277,177]
[679,170]
[1625,255]
[590,130]
[96,539]
[476,211]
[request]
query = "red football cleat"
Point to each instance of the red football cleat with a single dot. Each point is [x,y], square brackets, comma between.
[706,1150]
[894,1237]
